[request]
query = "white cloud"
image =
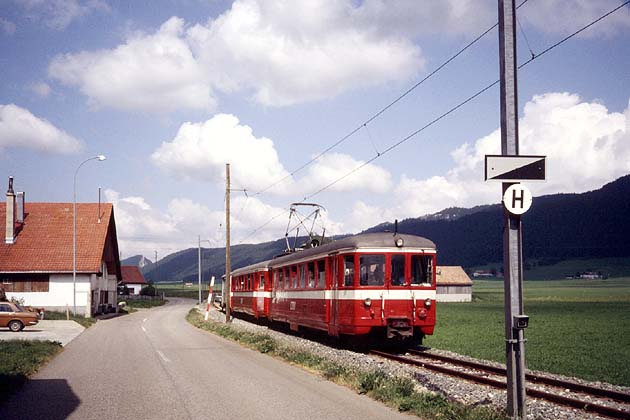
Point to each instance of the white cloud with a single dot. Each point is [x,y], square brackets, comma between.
[586,146]
[201,150]
[279,52]
[7,26]
[58,14]
[564,17]
[332,167]
[141,229]
[409,19]
[155,73]
[290,52]
[40,88]
[20,128]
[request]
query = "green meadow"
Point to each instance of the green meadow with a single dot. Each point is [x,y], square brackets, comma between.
[578,328]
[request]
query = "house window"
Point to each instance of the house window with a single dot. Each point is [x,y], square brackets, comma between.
[25,283]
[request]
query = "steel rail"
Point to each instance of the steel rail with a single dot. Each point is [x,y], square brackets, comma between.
[558,399]
[531,377]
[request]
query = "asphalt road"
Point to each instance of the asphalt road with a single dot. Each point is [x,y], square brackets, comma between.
[154,365]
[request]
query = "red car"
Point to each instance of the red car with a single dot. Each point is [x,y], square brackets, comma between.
[15,317]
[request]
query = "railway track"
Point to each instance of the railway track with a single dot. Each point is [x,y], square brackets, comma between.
[584,397]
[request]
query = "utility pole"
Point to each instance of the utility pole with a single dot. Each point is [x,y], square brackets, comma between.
[228,281]
[512,229]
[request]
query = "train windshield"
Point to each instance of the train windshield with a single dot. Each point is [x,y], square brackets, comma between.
[372,270]
[398,270]
[421,270]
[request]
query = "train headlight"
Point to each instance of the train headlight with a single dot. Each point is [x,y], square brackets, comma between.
[427,303]
[399,242]
[367,302]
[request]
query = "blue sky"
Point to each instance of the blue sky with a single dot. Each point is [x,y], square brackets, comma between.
[170,91]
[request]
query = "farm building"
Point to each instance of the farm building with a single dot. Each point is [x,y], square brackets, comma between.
[36,256]
[453,284]
[132,278]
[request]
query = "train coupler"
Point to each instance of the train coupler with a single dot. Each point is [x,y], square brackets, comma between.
[399,328]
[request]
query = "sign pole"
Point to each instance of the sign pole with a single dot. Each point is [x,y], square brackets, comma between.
[512,229]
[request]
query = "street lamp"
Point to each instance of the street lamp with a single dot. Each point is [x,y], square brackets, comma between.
[199,262]
[74,232]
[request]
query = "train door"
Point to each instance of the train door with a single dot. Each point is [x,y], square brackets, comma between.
[333,328]
[260,294]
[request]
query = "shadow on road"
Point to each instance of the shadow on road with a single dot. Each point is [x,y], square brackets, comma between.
[50,399]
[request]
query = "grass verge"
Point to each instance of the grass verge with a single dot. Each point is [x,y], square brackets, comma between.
[55,316]
[396,392]
[135,304]
[20,359]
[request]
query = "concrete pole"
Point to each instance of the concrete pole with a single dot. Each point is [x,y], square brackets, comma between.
[512,232]
[228,280]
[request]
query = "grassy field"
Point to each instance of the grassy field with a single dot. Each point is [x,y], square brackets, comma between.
[577,327]
[179,290]
[541,270]
[20,359]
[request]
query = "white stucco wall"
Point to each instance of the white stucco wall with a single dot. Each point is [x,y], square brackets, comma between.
[60,288]
[454,294]
[134,289]
[59,294]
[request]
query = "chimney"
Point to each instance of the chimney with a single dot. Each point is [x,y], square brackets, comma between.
[10,210]
[20,207]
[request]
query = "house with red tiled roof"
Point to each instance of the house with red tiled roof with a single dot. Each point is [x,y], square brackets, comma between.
[132,278]
[36,255]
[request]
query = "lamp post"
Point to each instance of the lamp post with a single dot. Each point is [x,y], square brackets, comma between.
[199,262]
[74,232]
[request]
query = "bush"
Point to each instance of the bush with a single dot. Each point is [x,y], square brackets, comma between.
[148,291]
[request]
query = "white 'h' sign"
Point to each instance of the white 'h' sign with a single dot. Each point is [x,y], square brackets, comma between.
[517,199]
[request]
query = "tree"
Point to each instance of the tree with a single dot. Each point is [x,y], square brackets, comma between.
[148,291]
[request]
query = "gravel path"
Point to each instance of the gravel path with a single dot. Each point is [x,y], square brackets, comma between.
[455,389]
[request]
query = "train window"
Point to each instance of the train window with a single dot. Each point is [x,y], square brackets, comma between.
[348,262]
[261,284]
[398,270]
[294,277]
[310,275]
[321,274]
[372,270]
[280,283]
[302,276]
[421,269]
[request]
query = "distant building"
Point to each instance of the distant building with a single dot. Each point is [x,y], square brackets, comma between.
[36,255]
[453,284]
[482,274]
[133,279]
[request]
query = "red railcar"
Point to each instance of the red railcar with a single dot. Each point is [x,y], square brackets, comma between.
[376,283]
[251,290]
